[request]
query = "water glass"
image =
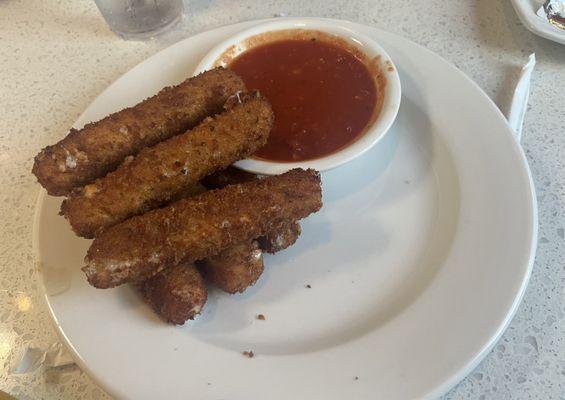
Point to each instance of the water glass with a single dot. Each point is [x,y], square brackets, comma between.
[140,19]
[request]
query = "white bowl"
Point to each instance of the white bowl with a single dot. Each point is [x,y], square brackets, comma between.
[231,48]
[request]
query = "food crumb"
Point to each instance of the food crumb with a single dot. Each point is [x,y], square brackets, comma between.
[260,317]
[308,287]
[248,353]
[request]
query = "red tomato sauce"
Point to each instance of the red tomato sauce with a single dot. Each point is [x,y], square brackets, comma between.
[322,95]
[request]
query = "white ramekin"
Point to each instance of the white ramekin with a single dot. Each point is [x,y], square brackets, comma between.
[374,132]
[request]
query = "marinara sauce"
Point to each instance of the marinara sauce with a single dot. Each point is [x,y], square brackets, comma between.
[322,95]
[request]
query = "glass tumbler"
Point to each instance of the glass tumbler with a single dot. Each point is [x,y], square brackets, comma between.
[140,19]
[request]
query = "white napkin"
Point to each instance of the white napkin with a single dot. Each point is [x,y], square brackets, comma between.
[33,358]
[519,102]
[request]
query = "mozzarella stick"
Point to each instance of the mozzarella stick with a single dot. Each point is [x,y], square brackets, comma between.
[176,294]
[158,173]
[239,267]
[91,152]
[279,239]
[234,269]
[199,227]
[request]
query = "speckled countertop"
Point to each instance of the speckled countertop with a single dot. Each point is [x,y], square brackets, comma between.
[56,56]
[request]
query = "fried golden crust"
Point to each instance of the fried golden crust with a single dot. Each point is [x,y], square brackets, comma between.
[158,173]
[280,239]
[234,269]
[199,227]
[176,294]
[89,153]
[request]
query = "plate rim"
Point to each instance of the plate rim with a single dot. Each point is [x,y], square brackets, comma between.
[450,381]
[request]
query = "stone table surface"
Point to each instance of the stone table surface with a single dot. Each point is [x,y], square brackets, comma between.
[57,55]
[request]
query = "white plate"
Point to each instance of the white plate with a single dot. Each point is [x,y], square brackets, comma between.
[526,10]
[417,261]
